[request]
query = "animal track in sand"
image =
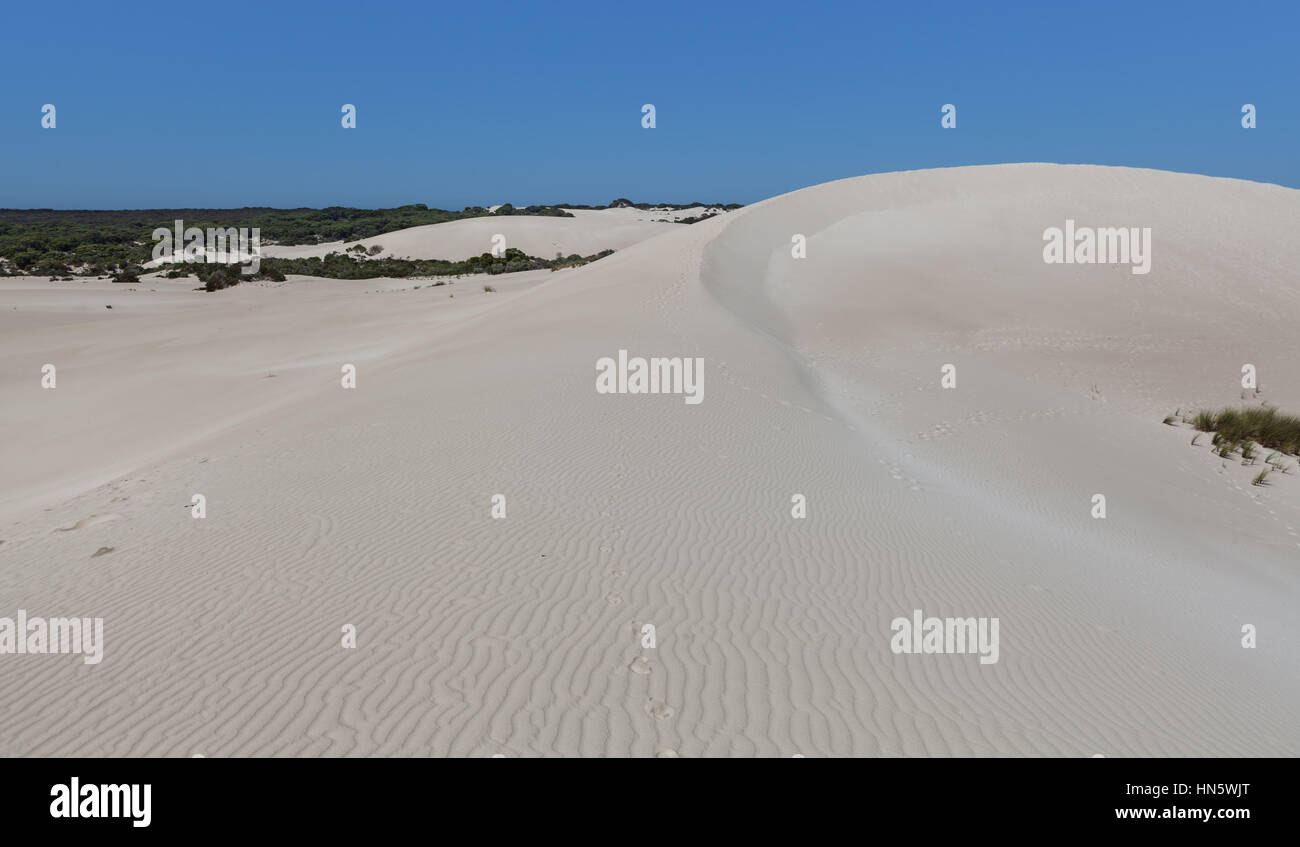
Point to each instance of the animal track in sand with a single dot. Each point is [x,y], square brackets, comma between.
[640,665]
[659,710]
[84,522]
[896,472]
[614,599]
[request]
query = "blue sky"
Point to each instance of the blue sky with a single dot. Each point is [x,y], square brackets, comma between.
[232,104]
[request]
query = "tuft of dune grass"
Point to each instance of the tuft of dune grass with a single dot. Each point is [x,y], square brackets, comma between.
[1262,424]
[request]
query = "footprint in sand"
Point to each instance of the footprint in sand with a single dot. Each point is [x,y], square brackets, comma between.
[102,551]
[659,710]
[614,599]
[90,521]
[640,665]
[667,753]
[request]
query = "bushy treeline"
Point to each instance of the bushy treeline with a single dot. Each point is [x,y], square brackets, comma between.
[342,266]
[624,203]
[56,242]
[508,209]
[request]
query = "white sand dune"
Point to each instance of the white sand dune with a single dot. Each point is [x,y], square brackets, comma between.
[586,233]
[475,636]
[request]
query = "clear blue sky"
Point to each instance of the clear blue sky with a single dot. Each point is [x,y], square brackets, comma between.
[231,104]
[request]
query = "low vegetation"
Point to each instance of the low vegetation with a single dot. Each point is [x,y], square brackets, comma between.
[624,203]
[341,266]
[60,243]
[1243,426]
[1243,431]
[215,277]
[97,242]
